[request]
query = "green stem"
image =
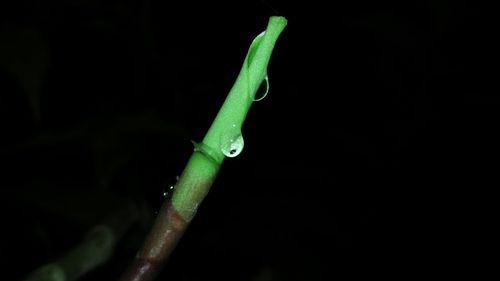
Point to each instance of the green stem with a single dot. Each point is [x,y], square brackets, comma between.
[201,170]
[222,139]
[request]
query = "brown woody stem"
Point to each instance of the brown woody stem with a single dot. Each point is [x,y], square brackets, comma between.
[161,241]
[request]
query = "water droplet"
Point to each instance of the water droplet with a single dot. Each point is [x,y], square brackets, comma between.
[167,191]
[263,90]
[232,143]
[163,193]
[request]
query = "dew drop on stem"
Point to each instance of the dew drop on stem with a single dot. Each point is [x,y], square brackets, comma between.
[167,191]
[263,90]
[231,143]
[168,188]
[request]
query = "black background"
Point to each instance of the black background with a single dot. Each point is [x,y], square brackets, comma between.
[372,155]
